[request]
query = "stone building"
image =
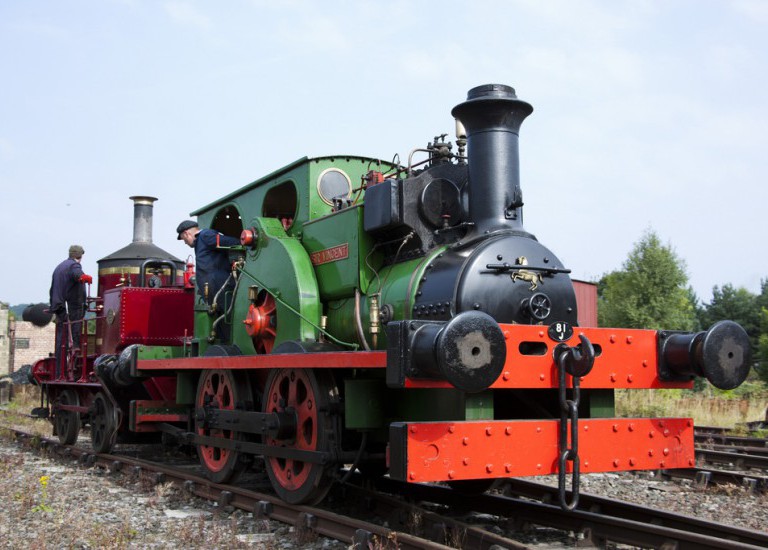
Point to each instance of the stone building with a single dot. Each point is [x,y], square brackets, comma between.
[31,343]
[22,343]
[5,340]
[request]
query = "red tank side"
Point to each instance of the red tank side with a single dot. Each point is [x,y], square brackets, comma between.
[147,316]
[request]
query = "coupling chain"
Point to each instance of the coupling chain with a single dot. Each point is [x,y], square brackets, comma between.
[569,410]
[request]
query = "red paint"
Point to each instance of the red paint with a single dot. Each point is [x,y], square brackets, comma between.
[477,450]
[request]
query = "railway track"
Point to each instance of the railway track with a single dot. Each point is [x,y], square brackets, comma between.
[598,521]
[704,477]
[354,531]
[720,447]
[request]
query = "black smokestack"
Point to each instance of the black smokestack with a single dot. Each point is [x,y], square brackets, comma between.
[492,116]
[142,218]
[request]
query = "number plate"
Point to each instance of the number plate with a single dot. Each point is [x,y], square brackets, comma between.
[560,331]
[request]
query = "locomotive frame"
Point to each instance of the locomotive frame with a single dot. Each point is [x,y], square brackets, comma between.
[389,318]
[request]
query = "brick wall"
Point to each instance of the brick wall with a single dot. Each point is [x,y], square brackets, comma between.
[42,341]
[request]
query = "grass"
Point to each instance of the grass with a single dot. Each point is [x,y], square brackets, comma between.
[709,407]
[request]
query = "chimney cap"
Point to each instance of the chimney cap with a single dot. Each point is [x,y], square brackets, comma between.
[143,199]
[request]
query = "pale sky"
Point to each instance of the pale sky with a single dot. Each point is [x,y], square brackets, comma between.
[647,115]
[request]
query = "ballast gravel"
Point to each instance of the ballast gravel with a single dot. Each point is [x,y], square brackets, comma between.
[46,504]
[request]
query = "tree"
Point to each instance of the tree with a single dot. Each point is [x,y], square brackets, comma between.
[735,304]
[747,309]
[650,291]
[761,364]
[761,357]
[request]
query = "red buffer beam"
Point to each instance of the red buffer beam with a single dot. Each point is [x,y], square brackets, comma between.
[446,451]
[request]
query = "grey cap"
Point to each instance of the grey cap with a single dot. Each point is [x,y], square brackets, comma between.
[183,226]
[76,251]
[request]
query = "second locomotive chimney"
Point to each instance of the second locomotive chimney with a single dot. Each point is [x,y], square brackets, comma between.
[492,116]
[142,218]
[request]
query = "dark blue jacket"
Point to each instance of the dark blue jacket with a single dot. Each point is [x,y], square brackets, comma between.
[66,288]
[213,266]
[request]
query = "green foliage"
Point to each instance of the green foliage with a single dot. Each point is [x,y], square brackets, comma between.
[736,304]
[762,346]
[747,309]
[650,291]
[18,309]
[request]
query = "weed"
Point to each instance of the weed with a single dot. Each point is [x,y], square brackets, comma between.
[707,408]
[43,506]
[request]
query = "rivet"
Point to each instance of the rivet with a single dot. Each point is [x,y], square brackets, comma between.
[465,461]
[508,468]
[506,375]
[645,363]
[631,461]
[613,377]
[650,452]
[666,432]
[465,441]
[586,463]
[691,462]
[689,423]
[538,429]
[629,339]
[629,378]
[612,338]
[541,376]
[413,429]
[489,468]
[488,431]
[666,452]
[651,434]
[631,427]
[451,428]
[586,428]
[412,475]
[661,464]
[616,462]
[451,474]
[506,335]
[541,334]
[508,430]
[538,466]
[615,427]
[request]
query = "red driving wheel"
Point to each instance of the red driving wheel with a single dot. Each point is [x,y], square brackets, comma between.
[220,389]
[307,394]
[261,322]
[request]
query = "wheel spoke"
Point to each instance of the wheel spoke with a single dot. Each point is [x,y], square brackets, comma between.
[220,389]
[67,422]
[299,390]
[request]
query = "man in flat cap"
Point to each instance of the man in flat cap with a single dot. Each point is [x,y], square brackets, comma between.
[213,266]
[67,298]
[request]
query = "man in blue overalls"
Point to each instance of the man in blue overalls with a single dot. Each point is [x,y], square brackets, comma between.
[213,268]
[67,299]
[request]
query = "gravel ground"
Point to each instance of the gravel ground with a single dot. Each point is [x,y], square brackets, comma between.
[47,504]
[730,504]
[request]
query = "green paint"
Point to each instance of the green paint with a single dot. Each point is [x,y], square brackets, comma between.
[479,406]
[602,403]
